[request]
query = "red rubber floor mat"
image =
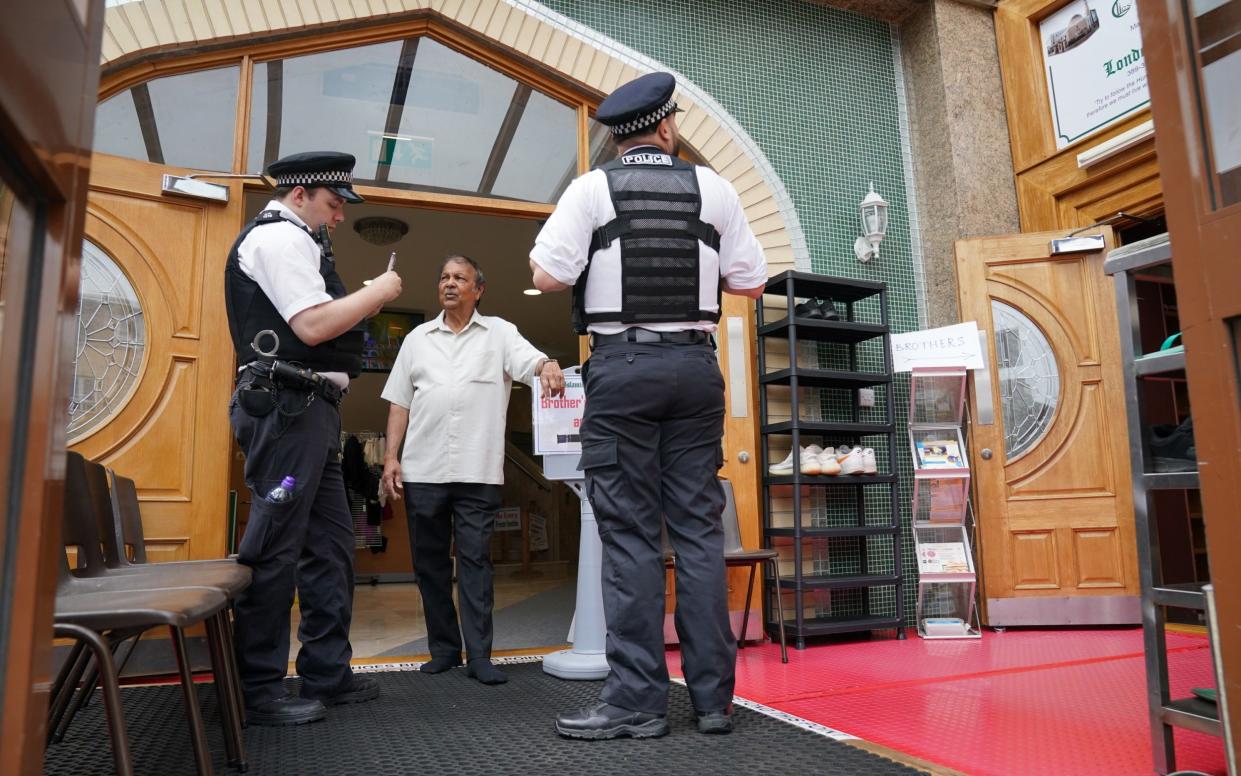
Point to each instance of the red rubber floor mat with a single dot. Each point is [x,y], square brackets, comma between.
[1018,702]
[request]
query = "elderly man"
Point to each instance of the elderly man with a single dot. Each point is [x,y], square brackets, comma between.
[448,395]
[648,242]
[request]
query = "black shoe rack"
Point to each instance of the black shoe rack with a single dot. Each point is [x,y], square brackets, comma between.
[1126,264]
[858,585]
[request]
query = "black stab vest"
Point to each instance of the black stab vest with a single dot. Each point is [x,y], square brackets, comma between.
[658,207]
[250,311]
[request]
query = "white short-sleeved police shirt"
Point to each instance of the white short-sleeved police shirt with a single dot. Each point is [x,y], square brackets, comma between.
[456,387]
[284,260]
[562,247]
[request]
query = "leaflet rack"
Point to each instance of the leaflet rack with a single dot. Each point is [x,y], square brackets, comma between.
[946,576]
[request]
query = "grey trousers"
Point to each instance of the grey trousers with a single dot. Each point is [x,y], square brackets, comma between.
[651,451]
[305,544]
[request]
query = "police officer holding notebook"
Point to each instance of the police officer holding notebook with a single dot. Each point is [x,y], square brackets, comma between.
[298,338]
[647,243]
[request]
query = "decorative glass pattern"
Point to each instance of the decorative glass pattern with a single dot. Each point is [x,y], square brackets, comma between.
[1029,378]
[110,343]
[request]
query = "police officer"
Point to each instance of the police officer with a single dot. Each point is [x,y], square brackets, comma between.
[648,242]
[281,279]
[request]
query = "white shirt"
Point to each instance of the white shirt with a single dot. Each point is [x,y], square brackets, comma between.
[284,260]
[563,245]
[456,388]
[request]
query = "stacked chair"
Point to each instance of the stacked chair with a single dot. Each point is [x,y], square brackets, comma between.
[111,597]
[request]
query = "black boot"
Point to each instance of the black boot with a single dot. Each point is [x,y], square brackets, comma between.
[607,721]
[358,689]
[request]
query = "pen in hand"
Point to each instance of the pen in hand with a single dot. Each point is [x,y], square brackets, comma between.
[391,260]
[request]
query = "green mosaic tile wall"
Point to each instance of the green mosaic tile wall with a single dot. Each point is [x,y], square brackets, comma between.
[816,89]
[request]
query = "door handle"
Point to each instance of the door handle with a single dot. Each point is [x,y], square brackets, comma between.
[743,456]
[986,453]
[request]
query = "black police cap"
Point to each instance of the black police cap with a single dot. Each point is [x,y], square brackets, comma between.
[331,170]
[639,104]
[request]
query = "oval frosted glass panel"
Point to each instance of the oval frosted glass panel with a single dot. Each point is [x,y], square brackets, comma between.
[182,120]
[417,115]
[1029,378]
[110,343]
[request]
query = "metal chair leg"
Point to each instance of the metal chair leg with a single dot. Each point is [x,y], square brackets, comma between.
[234,745]
[233,670]
[111,693]
[745,617]
[193,715]
[775,579]
[91,680]
[66,685]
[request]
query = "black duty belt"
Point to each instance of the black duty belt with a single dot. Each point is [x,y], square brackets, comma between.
[319,386]
[640,335]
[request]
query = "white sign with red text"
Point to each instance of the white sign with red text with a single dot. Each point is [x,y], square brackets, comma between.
[558,419]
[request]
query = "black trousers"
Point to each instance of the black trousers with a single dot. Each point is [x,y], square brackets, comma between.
[305,544]
[439,514]
[651,450]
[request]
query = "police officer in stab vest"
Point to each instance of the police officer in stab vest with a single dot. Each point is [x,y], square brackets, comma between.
[648,242]
[281,279]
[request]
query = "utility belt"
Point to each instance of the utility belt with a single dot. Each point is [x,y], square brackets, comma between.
[282,375]
[640,335]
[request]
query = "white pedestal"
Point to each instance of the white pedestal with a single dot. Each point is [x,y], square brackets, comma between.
[588,657]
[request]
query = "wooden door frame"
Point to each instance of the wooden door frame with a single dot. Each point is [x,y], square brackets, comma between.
[46,126]
[1208,289]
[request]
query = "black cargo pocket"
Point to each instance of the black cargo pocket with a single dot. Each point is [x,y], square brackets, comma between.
[256,402]
[606,486]
[719,457]
[267,520]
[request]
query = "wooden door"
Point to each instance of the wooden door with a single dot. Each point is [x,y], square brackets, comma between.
[1051,467]
[1192,56]
[171,435]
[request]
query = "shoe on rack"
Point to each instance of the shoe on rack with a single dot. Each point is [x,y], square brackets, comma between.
[809,309]
[1172,447]
[852,463]
[715,722]
[843,451]
[285,711]
[810,459]
[868,461]
[785,467]
[605,721]
[828,309]
[828,464]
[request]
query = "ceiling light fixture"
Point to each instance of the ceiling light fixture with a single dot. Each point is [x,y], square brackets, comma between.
[380,230]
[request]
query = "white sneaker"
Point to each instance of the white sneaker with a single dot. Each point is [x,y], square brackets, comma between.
[852,463]
[842,452]
[868,461]
[828,464]
[782,468]
[810,459]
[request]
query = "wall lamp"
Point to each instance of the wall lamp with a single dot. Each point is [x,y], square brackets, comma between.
[874,226]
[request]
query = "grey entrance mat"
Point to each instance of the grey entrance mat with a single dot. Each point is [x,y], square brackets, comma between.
[450,724]
[542,620]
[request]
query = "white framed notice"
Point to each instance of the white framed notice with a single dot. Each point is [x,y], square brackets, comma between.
[508,519]
[1096,72]
[558,419]
[955,345]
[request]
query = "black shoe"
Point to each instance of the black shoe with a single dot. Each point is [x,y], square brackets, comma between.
[827,309]
[1172,448]
[606,721]
[358,689]
[718,722]
[809,309]
[289,710]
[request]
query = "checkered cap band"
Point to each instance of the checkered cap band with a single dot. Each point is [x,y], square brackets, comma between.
[642,122]
[314,178]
